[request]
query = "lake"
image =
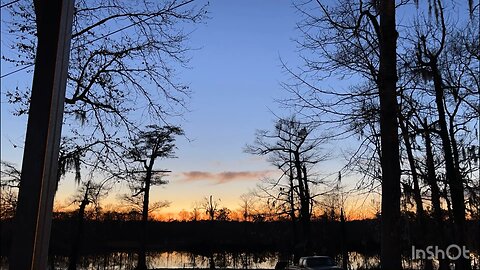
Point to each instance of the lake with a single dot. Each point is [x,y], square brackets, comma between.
[225,260]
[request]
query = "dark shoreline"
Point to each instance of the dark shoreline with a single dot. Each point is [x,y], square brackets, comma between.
[204,237]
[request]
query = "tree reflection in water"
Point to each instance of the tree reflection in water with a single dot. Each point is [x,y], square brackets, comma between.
[221,260]
[170,259]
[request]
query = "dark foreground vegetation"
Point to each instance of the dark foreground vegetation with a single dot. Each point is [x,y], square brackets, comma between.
[199,237]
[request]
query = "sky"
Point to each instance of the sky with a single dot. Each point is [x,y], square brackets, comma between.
[235,76]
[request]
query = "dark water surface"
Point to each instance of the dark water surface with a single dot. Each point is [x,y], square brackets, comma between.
[225,260]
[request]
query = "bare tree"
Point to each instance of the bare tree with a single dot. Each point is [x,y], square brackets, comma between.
[89,193]
[150,145]
[291,148]
[123,69]
[247,205]
[443,68]
[196,214]
[10,183]
[106,55]
[211,207]
[359,39]
[122,73]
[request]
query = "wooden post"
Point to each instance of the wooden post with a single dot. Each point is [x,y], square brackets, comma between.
[31,233]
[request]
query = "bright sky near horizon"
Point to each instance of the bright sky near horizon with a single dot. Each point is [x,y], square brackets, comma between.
[235,77]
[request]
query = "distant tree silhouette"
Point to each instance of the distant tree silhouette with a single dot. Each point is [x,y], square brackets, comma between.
[90,192]
[223,214]
[292,148]
[247,206]
[9,185]
[150,145]
[196,214]
[211,207]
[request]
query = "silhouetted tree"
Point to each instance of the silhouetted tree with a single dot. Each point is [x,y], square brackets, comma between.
[211,207]
[90,192]
[105,54]
[154,143]
[197,206]
[359,39]
[247,205]
[443,66]
[390,158]
[291,148]
[122,69]
[9,185]
[223,214]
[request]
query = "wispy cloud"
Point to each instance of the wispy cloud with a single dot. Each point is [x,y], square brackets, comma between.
[223,177]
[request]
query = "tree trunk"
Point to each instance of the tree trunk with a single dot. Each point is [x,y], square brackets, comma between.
[304,204]
[343,237]
[411,161]
[292,213]
[390,160]
[142,254]
[452,174]
[431,177]
[435,193]
[307,193]
[72,261]
[301,187]
[306,219]
[421,220]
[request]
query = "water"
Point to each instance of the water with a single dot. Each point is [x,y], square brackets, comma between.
[224,260]
[171,259]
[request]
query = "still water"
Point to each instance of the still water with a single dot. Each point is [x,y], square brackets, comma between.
[225,260]
[170,259]
[174,259]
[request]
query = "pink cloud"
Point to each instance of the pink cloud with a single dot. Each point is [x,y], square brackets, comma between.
[223,177]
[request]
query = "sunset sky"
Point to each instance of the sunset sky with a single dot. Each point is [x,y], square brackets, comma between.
[235,77]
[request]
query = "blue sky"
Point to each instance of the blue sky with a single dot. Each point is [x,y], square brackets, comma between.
[235,77]
[236,74]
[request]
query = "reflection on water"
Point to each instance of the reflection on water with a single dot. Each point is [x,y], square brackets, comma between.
[239,260]
[220,260]
[172,259]
[360,261]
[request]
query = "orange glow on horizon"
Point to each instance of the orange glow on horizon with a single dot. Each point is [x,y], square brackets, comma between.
[186,212]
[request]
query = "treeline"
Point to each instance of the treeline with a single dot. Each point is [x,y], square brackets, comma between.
[205,237]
